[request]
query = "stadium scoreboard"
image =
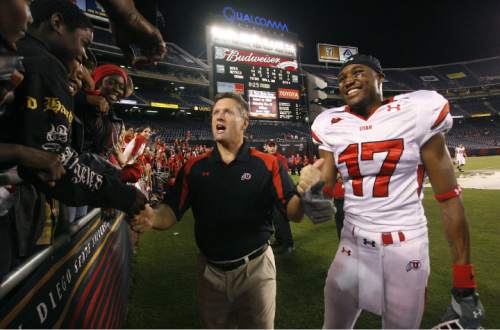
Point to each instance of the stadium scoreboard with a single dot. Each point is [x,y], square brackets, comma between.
[264,71]
[92,9]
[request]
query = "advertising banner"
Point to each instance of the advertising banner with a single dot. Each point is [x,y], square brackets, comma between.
[241,56]
[85,284]
[335,54]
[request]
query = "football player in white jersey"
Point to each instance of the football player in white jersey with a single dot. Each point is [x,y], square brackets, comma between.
[460,155]
[381,149]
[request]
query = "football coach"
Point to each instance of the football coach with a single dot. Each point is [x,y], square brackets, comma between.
[232,191]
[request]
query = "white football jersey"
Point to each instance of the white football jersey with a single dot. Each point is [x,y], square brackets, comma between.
[379,157]
[460,151]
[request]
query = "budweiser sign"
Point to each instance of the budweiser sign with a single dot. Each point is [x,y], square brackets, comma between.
[252,58]
[288,94]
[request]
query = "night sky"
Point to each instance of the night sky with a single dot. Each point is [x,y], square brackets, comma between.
[400,33]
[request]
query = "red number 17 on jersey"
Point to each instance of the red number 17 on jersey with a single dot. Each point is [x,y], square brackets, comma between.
[350,156]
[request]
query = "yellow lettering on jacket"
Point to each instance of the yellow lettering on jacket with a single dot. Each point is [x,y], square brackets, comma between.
[54,104]
[31,103]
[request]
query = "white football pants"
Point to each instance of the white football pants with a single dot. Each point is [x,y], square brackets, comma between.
[388,280]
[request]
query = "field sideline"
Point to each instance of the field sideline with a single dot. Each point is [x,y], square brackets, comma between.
[164,271]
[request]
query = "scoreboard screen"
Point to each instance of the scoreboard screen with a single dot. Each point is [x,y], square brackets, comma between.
[92,8]
[269,82]
[262,104]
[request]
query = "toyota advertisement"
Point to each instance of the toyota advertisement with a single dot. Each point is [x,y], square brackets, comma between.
[269,82]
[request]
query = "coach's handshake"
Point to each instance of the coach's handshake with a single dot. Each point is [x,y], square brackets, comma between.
[309,176]
[144,220]
[310,187]
[161,218]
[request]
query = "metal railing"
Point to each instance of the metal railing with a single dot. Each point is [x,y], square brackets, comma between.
[17,275]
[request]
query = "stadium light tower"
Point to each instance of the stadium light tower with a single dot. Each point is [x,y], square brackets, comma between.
[250,40]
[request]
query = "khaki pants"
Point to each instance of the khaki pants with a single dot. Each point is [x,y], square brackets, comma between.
[241,298]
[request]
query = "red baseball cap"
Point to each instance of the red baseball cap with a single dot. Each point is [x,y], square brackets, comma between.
[108,69]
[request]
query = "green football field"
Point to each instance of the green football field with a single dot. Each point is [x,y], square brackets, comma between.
[164,275]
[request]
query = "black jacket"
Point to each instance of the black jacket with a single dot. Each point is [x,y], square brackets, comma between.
[9,61]
[41,116]
[101,130]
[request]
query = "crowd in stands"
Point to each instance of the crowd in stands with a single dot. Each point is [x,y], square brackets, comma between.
[258,131]
[170,130]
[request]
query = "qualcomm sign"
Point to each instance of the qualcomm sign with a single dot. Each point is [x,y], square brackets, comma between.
[233,15]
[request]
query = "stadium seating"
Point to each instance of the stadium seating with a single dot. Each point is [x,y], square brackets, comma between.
[262,131]
[400,80]
[438,77]
[487,71]
[169,130]
[478,133]
[457,110]
[453,69]
[329,74]
[176,56]
[474,106]
[195,101]
[153,96]
[495,103]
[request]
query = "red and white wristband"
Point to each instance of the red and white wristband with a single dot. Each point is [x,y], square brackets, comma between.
[455,192]
[463,276]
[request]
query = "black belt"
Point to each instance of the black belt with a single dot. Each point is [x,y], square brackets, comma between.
[227,266]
